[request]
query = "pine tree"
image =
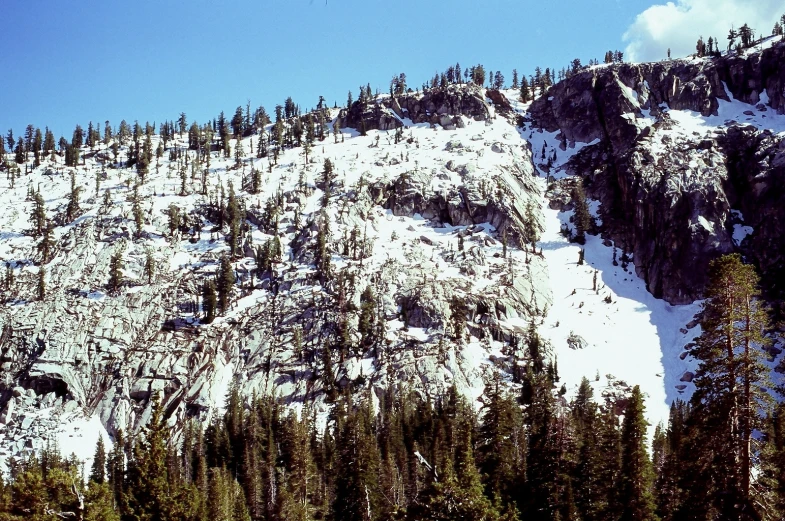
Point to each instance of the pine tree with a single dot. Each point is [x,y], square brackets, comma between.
[225,499]
[149,493]
[668,462]
[636,471]
[98,469]
[72,210]
[730,382]
[541,499]
[357,496]
[455,491]
[525,92]
[367,320]
[41,283]
[457,317]
[233,212]
[136,211]
[322,253]
[772,476]
[591,490]
[46,245]
[226,281]
[327,178]
[174,219]
[149,266]
[301,481]
[115,273]
[501,446]
[582,217]
[115,472]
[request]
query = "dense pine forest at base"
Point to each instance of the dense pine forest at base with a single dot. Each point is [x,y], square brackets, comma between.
[527,454]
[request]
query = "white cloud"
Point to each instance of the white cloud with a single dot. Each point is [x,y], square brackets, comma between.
[678,25]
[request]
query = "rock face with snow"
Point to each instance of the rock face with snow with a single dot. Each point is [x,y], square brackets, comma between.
[670,158]
[437,106]
[429,224]
[422,224]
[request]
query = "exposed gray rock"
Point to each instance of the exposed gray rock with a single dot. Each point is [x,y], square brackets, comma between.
[576,341]
[671,209]
[442,106]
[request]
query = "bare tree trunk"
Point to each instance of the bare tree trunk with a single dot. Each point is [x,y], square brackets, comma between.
[746,432]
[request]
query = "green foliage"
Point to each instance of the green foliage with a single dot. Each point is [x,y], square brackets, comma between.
[458,313]
[501,445]
[226,280]
[115,273]
[209,301]
[235,218]
[73,209]
[636,471]
[38,215]
[136,210]
[357,494]
[149,266]
[46,244]
[99,463]
[731,397]
[41,284]
[582,217]
[174,219]
[367,321]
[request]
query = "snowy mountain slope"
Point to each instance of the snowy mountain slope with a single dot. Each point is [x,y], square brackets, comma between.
[420,216]
[109,353]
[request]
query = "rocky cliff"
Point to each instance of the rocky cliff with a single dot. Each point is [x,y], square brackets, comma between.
[430,276]
[676,147]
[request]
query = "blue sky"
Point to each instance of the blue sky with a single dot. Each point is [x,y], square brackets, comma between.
[64,63]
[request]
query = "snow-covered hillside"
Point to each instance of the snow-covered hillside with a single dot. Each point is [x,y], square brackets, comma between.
[434,220]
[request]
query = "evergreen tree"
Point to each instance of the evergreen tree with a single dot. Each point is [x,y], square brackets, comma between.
[226,281]
[115,472]
[501,445]
[301,484]
[636,471]
[233,211]
[322,253]
[367,321]
[669,466]
[593,484]
[41,283]
[98,469]
[182,122]
[357,495]
[730,382]
[150,496]
[582,218]
[225,498]
[136,211]
[38,215]
[115,273]
[327,178]
[73,210]
[174,219]
[149,266]
[46,244]
[541,500]
[208,301]
[458,317]
[772,477]
[526,95]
